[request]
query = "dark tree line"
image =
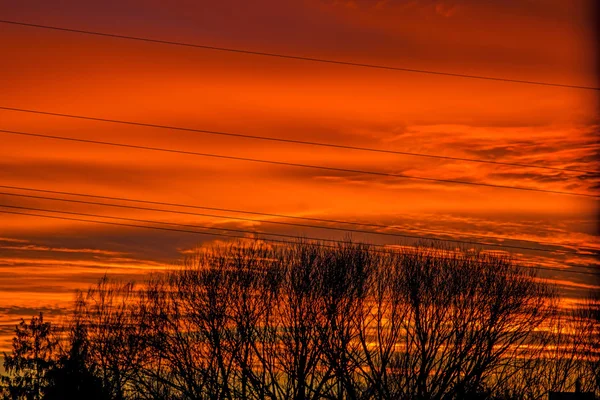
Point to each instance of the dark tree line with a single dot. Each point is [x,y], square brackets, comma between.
[252,321]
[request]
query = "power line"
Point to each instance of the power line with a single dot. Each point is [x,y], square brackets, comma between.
[308,166]
[174,223]
[388,249]
[295,57]
[227,217]
[217,229]
[288,236]
[275,215]
[293,141]
[408,236]
[263,214]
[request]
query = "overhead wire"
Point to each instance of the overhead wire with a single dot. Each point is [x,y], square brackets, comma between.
[294,141]
[264,214]
[298,165]
[348,230]
[296,57]
[296,238]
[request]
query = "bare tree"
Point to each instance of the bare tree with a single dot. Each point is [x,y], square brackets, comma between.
[467,313]
[115,333]
[313,321]
[587,329]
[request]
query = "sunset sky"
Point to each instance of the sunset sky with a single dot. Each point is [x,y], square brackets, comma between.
[43,261]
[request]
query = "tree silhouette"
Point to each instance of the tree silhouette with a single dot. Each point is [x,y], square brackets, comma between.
[72,377]
[307,321]
[32,357]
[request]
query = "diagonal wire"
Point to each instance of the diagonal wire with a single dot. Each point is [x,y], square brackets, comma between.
[296,57]
[349,230]
[290,164]
[275,215]
[387,249]
[293,141]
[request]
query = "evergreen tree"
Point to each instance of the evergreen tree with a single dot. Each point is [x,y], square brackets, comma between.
[30,360]
[73,375]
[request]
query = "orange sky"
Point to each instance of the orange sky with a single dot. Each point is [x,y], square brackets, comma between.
[43,260]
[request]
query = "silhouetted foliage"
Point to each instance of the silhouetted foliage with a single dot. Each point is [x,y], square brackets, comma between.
[73,377]
[307,321]
[30,360]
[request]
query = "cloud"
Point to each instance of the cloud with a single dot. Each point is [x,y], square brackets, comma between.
[32,247]
[13,240]
[28,311]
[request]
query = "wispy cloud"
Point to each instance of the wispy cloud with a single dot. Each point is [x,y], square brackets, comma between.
[32,247]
